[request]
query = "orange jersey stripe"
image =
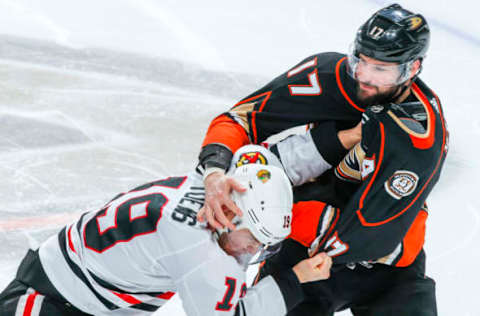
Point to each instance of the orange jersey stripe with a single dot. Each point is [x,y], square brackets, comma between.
[413,240]
[226,131]
[305,221]
[427,141]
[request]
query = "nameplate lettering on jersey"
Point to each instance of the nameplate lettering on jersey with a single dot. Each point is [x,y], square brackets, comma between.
[189,205]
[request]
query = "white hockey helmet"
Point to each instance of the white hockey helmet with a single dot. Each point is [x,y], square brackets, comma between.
[266,204]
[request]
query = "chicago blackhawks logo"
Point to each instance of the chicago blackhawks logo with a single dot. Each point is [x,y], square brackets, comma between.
[251,157]
[401,183]
[263,175]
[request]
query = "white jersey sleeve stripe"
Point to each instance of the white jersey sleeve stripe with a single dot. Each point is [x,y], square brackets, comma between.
[37,305]
[29,304]
[22,301]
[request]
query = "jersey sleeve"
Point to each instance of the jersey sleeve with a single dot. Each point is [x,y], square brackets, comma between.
[307,156]
[208,291]
[217,286]
[295,98]
[385,218]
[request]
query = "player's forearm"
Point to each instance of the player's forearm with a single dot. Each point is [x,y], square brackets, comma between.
[328,142]
[273,295]
[309,155]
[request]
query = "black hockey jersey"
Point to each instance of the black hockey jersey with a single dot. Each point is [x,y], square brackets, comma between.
[376,195]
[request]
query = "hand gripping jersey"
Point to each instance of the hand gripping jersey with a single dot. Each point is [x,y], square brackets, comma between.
[376,196]
[145,245]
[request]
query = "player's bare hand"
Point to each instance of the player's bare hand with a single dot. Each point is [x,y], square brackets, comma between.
[218,187]
[350,137]
[313,269]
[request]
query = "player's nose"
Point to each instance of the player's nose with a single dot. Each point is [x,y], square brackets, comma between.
[363,74]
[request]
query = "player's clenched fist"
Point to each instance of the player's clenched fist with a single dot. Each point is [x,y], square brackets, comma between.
[218,187]
[313,269]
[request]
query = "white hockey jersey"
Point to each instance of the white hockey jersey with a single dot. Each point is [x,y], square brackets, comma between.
[145,245]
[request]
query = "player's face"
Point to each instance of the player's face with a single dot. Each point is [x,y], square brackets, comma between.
[240,242]
[375,78]
[246,249]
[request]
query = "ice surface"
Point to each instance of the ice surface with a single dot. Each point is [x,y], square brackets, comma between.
[99,96]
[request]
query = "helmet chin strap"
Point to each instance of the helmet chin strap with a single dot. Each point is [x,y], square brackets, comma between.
[400,90]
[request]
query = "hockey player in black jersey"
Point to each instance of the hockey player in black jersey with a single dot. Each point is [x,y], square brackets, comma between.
[328,91]
[371,208]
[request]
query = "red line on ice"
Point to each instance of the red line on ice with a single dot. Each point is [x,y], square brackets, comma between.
[41,221]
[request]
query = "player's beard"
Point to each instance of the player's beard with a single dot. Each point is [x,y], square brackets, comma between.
[377,98]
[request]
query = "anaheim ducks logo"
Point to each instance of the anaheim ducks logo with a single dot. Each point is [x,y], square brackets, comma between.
[401,183]
[251,157]
[263,175]
[415,22]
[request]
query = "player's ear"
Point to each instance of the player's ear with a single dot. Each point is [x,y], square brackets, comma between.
[417,64]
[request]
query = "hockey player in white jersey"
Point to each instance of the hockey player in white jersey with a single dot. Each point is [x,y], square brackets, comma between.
[143,246]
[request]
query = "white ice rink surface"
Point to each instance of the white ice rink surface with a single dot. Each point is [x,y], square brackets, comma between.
[99,96]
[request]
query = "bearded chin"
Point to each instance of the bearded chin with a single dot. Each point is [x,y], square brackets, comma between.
[377,99]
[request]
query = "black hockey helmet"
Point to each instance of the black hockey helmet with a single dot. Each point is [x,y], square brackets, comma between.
[393,34]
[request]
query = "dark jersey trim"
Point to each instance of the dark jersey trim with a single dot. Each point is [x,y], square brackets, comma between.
[290,287]
[111,287]
[145,307]
[78,272]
